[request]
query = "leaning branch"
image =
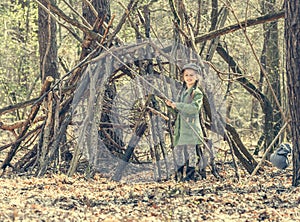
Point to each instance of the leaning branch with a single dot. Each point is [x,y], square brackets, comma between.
[268,150]
[27,124]
[237,26]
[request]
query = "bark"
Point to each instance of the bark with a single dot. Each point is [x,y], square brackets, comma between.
[271,65]
[96,9]
[292,37]
[47,43]
[214,14]
[96,13]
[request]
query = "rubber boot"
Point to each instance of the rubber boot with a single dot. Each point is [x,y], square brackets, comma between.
[203,173]
[179,174]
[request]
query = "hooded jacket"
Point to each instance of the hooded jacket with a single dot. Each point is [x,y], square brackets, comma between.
[187,125]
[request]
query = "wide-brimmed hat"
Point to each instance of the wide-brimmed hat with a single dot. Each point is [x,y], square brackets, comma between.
[192,66]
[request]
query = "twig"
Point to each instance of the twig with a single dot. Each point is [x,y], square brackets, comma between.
[92,8]
[78,14]
[107,29]
[20,138]
[60,23]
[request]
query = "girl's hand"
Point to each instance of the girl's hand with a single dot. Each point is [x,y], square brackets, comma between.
[170,103]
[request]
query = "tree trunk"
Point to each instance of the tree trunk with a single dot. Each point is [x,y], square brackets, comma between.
[97,12]
[47,43]
[102,7]
[271,65]
[292,36]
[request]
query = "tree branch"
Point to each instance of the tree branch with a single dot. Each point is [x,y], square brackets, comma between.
[237,26]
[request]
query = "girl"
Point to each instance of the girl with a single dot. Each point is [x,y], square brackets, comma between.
[187,133]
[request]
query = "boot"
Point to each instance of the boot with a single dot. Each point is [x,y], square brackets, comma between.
[190,174]
[203,173]
[179,174]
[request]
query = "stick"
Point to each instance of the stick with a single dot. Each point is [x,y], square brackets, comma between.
[30,119]
[154,111]
[129,151]
[268,149]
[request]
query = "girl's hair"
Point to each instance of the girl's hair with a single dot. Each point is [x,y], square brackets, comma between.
[183,88]
[194,87]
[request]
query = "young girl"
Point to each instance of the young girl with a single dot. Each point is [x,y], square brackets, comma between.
[188,133]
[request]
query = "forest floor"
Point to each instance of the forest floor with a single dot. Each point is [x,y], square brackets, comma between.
[266,197]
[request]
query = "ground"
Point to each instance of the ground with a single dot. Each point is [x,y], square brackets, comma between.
[266,197]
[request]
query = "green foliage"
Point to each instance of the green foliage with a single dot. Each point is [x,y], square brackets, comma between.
[18,51]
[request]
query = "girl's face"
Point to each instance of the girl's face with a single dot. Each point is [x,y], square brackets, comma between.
[189,77]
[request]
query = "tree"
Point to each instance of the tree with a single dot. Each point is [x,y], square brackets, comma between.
[292,36]
[270,62]
[47,43]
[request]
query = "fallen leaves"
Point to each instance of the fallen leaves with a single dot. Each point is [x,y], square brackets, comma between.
[60,198]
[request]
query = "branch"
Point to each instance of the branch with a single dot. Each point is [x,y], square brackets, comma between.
[20,105]
[19,124]
[20,139]
[131,5]
[30,119]
[268,150]
[237,26]
[54,9]
[59,22]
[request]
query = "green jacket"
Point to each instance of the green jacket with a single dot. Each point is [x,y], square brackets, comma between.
[187,126]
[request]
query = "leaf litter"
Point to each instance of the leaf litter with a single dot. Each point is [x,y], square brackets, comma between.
[268,196]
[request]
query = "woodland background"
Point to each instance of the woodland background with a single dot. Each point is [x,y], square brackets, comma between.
[41,65]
